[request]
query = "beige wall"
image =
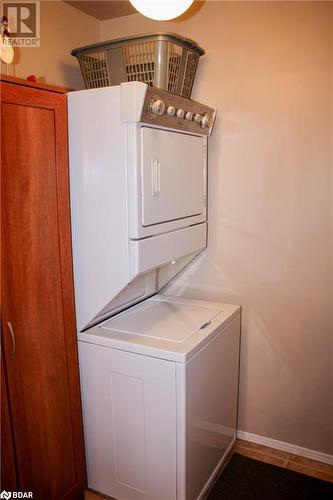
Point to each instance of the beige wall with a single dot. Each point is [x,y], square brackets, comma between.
[62,28]
[268,70]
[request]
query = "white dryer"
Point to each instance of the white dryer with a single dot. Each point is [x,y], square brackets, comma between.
[159,375]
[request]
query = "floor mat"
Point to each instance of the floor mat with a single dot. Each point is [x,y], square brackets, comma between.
[248,479]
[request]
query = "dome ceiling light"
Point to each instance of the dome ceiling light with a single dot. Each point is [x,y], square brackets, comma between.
[161,10]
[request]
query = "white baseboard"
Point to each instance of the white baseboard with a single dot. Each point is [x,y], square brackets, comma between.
[288,447]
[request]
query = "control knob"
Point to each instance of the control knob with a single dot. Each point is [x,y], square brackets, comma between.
[206,121]
[171,110]
[197,118]
[189,115]
[157,106]
[180,113]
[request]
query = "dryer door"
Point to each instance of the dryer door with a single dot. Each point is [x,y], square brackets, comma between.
[173,176]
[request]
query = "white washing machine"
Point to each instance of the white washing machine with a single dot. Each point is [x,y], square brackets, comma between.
[159,374]
[159,389]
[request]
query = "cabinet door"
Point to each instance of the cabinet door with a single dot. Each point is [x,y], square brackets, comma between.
[38,309]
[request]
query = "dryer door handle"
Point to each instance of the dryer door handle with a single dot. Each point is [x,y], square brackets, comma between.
[155,176]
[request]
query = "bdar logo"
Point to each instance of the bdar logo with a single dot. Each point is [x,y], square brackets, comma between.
[5,494]
[16,494]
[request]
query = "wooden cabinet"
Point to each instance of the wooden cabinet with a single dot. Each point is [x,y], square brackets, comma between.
[43,414]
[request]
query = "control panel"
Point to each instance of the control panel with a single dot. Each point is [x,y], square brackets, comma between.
[169,110]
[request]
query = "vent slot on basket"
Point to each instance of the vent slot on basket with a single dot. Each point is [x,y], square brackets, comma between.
[139,61]
[95,69]
[191,68]
[175,57]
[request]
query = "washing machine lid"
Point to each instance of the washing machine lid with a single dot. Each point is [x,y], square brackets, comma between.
[163,319]
[170,328]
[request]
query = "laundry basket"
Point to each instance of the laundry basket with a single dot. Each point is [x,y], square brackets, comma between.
[163,60]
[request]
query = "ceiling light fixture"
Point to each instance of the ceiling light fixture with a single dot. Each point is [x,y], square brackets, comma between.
[161,10]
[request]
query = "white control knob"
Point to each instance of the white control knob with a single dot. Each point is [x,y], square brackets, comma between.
[180,113]
[189,115]
[157,107]
[197,118]
[171,110]
[206,121]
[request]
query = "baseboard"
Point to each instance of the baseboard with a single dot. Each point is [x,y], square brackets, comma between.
[288,447]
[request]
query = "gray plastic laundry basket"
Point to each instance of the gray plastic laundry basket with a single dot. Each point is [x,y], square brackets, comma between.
[163,60]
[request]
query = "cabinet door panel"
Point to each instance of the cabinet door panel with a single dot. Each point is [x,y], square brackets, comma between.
[37,294]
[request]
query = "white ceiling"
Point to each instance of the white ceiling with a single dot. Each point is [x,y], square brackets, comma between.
[104,9]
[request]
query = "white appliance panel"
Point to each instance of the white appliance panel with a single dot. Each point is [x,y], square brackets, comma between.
[165,320]
[156,251]
[130,440]
[173,174]
[93,174]
[211,407]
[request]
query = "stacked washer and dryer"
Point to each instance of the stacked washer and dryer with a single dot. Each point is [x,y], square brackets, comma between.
[159,374]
